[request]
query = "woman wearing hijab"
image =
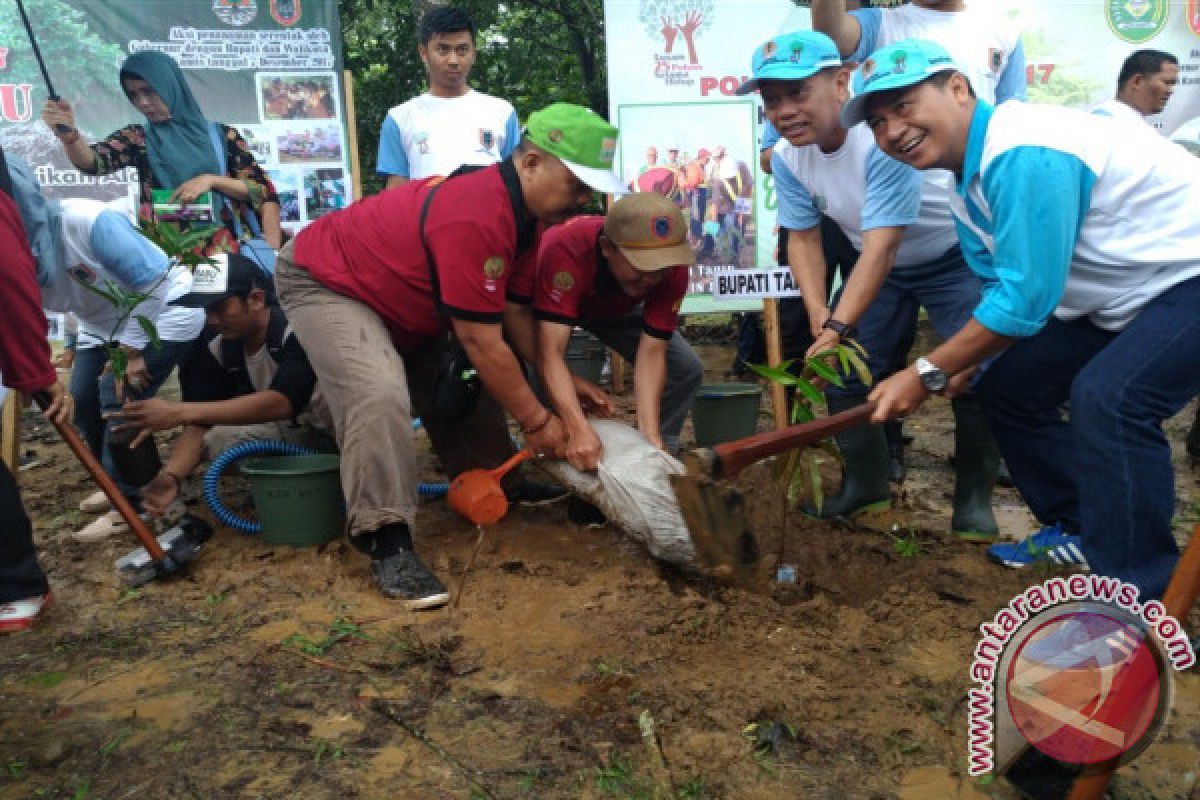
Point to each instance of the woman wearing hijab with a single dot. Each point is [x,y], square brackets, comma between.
[175,149]
[78,244]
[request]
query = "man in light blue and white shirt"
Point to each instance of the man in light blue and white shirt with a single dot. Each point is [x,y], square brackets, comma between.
[1084,231]
[450,125]
[908,256]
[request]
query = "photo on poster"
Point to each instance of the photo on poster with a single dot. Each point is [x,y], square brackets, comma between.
[296,95]
[308,144]
[259,141]
[324,191]
[702,156]
[287,186]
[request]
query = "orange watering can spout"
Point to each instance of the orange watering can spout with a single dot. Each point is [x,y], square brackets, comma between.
[477,495]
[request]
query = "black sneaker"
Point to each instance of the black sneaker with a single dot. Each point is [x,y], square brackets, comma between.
[535,493]
[581,512]
[404,576]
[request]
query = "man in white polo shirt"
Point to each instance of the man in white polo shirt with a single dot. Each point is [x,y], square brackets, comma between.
[1145,84]
[1090,292]
[451,124]
[907,256]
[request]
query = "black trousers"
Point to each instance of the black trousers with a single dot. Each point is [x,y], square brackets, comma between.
[20,575]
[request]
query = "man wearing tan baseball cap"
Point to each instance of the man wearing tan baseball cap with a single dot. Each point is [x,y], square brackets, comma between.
[621,277]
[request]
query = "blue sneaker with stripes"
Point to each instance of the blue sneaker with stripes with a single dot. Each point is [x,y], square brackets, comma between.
[1050,545]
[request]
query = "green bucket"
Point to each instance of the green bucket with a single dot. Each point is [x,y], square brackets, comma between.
[723,412]
[298,498]
[586,356]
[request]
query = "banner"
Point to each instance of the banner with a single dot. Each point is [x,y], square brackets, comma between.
[673,66]
[270,68]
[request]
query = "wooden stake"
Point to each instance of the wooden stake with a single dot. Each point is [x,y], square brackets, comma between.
[773,335]
[618,373]
[352,129]
[10,424]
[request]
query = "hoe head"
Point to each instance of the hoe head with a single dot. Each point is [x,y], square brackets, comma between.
[715,517]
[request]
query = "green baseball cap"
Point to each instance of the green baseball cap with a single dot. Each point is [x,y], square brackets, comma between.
[581,139]
[896,66]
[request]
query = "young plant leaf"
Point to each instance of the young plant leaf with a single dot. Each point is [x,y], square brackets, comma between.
[150,330]
[823,371]
[779,374]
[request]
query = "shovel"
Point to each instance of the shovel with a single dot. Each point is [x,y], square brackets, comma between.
[713,514]
[157,558]
[477,495]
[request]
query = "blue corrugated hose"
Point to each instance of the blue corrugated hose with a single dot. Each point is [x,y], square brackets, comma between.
[268,448]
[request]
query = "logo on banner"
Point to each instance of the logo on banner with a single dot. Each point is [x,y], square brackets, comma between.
[1137,21]
[285,12]
[235,12]
[675,25]
[1193,16]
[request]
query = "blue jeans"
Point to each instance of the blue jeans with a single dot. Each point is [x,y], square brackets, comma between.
[1106,472]
[948,290]
[95,393]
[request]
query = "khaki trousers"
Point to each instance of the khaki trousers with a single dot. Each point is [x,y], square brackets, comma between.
[373,393]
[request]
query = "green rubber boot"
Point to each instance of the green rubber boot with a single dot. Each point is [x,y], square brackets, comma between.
[865,475]
[976,460]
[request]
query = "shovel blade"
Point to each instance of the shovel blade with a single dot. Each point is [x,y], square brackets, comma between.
[181,543]
[715,516]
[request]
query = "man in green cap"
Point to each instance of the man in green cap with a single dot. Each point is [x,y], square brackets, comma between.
[372,291]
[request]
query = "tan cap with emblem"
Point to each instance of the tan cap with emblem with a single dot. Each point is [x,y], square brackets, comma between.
[650,231]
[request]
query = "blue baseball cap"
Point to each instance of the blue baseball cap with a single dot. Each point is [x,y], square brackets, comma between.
[896,66]
[791,57]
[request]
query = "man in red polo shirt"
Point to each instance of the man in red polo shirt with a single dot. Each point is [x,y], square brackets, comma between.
[372,290]
[621,277]
[25,366]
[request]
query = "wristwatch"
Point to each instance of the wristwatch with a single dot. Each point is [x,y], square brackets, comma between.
[843,330]
[931,375]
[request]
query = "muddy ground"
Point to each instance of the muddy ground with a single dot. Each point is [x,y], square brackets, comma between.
[268,672]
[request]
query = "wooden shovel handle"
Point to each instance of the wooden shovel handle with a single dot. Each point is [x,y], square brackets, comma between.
[733,457]
[106,484]
[1178,599]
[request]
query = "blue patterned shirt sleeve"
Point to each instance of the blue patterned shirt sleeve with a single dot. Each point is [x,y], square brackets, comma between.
[797,209]
[392,159]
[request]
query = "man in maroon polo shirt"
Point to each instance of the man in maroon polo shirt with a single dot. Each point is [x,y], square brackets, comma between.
[621,277]
[372,290]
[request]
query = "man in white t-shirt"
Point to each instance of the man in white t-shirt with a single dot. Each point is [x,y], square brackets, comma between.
[986,46]
[1145,84]
[451,124]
